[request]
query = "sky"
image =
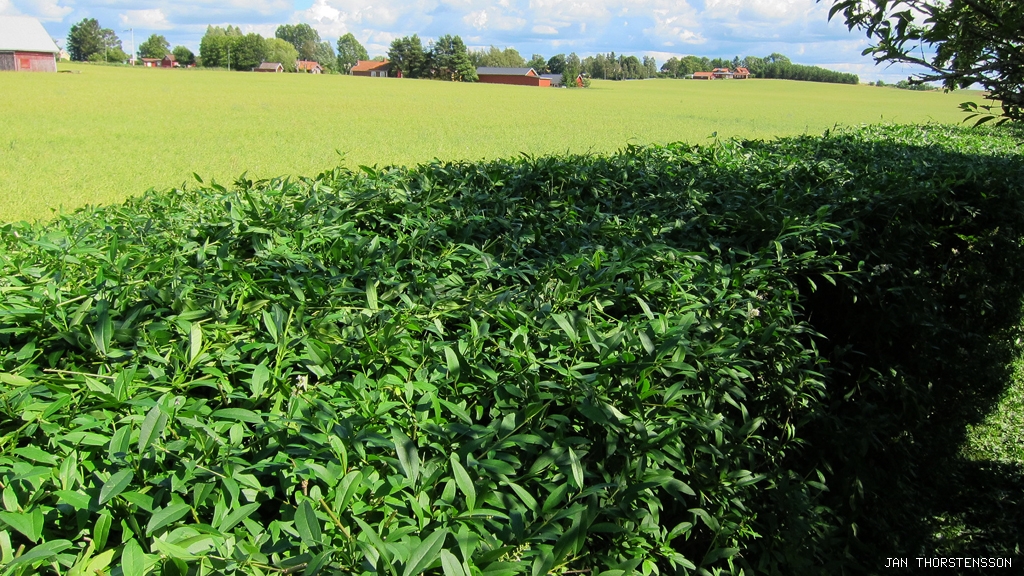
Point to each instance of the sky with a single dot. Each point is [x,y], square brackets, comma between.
[800,29]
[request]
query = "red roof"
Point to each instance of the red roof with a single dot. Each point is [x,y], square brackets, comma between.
[742,70]
[306,65]
[370,65]
[702,74]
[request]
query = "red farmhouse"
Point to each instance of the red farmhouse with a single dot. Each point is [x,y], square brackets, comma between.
[517,76]
[26,46]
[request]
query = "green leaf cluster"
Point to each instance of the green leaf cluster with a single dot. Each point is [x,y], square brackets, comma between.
[538,365]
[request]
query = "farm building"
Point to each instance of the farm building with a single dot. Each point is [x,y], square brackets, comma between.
[517,76]
[151,62]
[741,73]
[374,68]
[556,80]
[721,73]
[308,66]
[703,76]
[269,67]
[26,46]
[169,62]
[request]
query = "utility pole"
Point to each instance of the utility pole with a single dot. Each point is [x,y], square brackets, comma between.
[229,56]
[132,30]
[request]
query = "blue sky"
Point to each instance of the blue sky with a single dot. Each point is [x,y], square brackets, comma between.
[661,28]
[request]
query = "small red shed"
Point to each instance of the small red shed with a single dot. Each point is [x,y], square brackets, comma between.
[169,62]
[25,46]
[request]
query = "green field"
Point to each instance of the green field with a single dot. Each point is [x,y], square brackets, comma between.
[109,132]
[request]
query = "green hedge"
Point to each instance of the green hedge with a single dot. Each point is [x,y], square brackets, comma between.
[646,362]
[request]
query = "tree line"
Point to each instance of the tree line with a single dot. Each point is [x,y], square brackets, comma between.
[774,65]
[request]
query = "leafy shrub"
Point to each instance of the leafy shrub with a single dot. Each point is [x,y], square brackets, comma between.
[536,365]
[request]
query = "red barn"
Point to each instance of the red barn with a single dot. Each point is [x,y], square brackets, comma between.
[517,76]
[26,46]
[169,62]
[374,68]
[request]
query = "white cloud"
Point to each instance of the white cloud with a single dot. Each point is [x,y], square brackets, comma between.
[676,26]
[545,30]
[337,17]
[154,19]
[763,10]
[493,19]
[45,10]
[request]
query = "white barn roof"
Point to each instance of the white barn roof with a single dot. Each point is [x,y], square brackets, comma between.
[24,33]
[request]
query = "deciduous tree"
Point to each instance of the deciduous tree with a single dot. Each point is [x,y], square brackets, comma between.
[350,52]
[156,46]
[184,56]
[302,36]
[959,42]
[282,51]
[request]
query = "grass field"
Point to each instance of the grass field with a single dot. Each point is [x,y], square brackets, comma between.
[107,132]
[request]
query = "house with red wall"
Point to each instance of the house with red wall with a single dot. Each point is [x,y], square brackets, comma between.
[25,46]
[169,62]
[516,76]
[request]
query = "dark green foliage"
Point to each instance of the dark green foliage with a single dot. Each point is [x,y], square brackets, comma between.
[959,43]
[156,46]
[651,361]
[87,39]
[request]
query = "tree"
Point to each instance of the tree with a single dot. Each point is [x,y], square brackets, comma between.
[350,52]
[325,57]
[248,52]
[282,51]
[556,64]
[960,42]
[302,36]
[87,38]
[538,63]
[450,60]
[407,56]
[155,46]
[183,56]
[496,57]
[217,45]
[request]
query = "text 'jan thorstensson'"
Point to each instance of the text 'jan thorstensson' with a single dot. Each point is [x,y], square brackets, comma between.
[949,562]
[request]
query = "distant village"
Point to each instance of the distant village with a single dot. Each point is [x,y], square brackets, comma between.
[26,46]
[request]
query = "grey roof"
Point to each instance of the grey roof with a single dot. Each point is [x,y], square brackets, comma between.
[504,71]
[25,33]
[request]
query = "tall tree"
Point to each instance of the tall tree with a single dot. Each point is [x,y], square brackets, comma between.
[324,55]
[218,45]
[556,64]
[302,36]
[156,46]
[959,42]
[407,56]
[183,55]
[500,58]
[450,60]
[87,38]
[350,52]
[248,52]
[538,63]
[282,51]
